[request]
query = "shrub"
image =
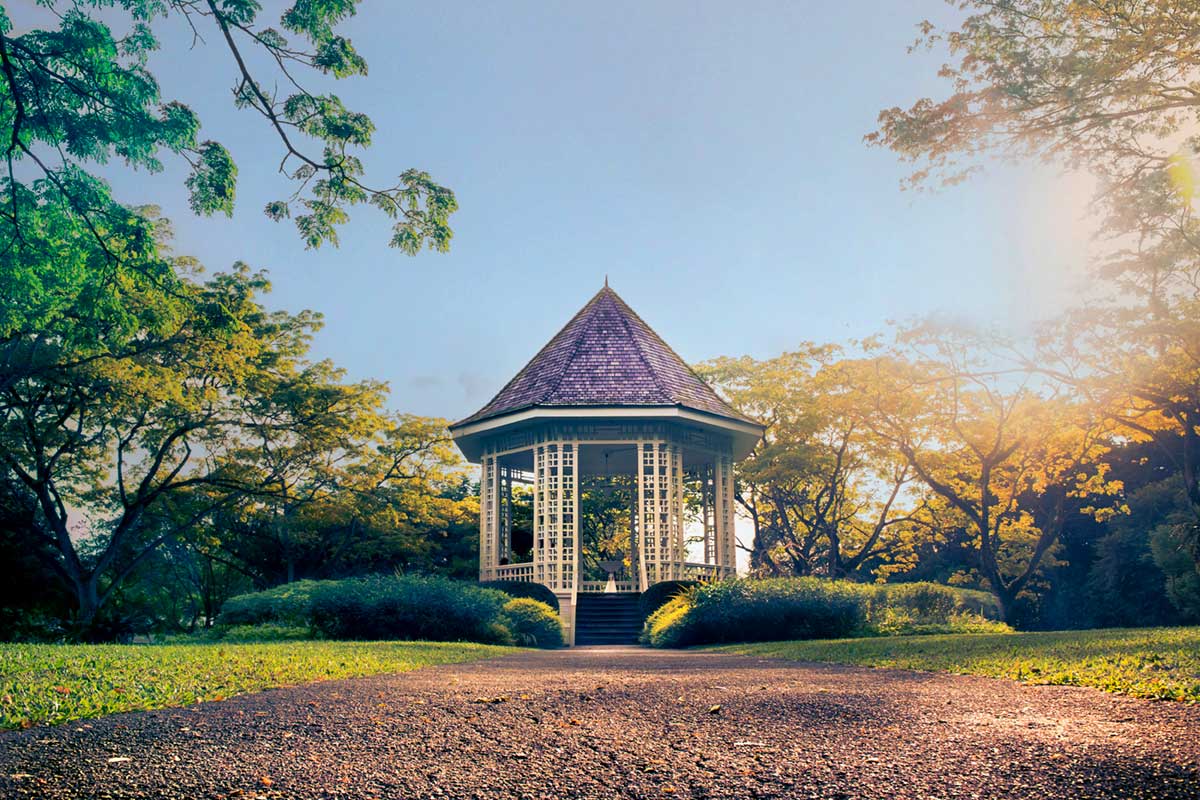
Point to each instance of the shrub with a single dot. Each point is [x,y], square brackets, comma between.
[667,626]
[919,608]
[750,610]
[902,622]
[758,611]
[924,600]
[534,591]
[262,633]
[533,623]
[409,607]
[289,604]
[30,625]
[657,595]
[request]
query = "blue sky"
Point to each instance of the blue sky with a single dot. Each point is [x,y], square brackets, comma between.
[707,157]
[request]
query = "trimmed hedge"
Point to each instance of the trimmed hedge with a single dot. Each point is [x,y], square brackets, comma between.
[757,611]
[409,607]
[260,633]
[288,605]
[926,604]
[750,610]
[533,623]
[660,593]
[431,609]
[534,591]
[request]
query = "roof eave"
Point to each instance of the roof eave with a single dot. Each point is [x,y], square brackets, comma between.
[468,433]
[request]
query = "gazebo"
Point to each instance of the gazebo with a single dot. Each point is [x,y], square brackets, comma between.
[606,467]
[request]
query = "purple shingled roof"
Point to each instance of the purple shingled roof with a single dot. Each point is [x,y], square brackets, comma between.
[606,356]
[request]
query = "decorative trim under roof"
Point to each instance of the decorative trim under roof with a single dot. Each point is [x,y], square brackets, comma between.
[605,357]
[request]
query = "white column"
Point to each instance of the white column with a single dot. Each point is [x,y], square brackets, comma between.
[726,542]
[660,512]
[504,514]
[647,487]
[569,520]
[540,515]
[708,505]
[487,518]
[678,549]
[555,545]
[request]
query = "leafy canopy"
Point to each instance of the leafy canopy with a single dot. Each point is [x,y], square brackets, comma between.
[82,95]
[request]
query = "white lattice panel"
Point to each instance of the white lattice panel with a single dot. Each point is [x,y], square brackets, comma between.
[488,558]
[726,541]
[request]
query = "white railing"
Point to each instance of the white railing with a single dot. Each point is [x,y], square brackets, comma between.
[689,571]
[698,571]
[600,586]
[515,572]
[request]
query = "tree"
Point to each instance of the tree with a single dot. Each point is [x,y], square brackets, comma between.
[825,495]
[374,492]
[1125,585]
[71,255]
[1105,86]
[1005,458]
[82,94]
[605,524]
[1108,87]
[106,439]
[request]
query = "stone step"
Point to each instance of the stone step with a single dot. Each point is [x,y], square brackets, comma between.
[607,619]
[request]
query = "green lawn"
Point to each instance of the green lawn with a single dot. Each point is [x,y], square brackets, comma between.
[1160,663]
[49,684]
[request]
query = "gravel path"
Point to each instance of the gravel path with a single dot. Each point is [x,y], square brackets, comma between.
[624,722]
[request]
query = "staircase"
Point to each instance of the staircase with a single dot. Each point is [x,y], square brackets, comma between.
[607,618]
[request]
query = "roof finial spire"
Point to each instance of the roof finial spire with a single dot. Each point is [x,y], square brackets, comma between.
[606,280]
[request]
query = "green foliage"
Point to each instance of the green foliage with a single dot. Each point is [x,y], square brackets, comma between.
[428,608]
[1125,585]
[213,182]
[534,591]
[668,626]
[758,610]
[933,602]
[657,595]
[52,684]
[173,411]
[267,632]
[409,607]
[750,610]
[899,621]
[30,625]
[1170,545]
[82,94]
[1158,663]
[826,494]
[288,604]
[1097,86]
[532,623]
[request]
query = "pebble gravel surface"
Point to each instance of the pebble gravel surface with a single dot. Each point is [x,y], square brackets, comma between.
[626,723]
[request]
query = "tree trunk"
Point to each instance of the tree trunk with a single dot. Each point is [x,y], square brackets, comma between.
[836,569]
[1007,600]
[87,600]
